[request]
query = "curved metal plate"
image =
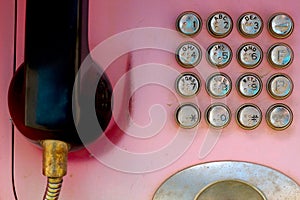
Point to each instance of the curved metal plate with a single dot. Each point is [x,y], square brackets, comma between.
[187,184]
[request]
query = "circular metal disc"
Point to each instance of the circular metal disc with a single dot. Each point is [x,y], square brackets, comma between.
[230,189]
[188,183]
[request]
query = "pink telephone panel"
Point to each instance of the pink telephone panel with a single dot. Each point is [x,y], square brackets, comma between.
[205,99]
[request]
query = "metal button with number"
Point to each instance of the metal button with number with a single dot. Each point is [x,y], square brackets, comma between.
[219,24]
[279,116]
[250,24]
[218,85]
[249,85]
[189,23]
[188,84]
[280,55]
[249,116]
[218,115]
[280,25]
[188,54]
[188,115]
[280,86]
[219,54]
[249,55]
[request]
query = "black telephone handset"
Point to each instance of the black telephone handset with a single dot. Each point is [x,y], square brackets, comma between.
[40,93]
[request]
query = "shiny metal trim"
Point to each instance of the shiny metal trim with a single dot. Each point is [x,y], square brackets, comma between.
[187,183]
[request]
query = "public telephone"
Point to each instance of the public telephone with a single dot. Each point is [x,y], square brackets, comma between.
[169,99]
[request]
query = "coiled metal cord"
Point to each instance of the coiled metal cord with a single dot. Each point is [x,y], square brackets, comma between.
[53,188]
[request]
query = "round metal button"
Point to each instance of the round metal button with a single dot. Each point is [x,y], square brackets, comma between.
[218,85]
[281,25]
[280,86]
[189,23]
[188,115]
[249,85]
[279,116]
[188,84]
[249,55]
[188,54]
[219,54]
[230,189]
[280,55]
[249,116]
[218,115]
[250,24]
[219,24]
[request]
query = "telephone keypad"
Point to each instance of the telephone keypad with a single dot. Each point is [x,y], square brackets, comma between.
[249,85]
